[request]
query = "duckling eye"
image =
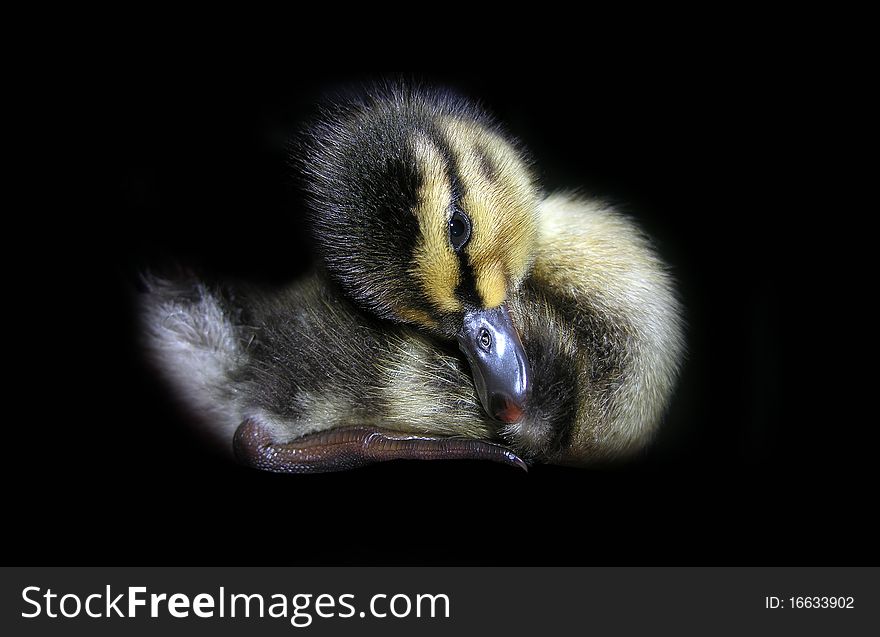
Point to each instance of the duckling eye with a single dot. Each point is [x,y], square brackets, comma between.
[459,229]
[485,339]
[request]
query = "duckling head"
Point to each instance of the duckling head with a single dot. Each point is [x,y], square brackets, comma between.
[425,212]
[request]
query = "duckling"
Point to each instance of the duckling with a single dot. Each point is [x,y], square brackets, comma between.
[433,233]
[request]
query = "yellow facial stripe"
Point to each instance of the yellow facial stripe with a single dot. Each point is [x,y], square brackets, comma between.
[501,203]
[436,264]
[418,317]
[492,284]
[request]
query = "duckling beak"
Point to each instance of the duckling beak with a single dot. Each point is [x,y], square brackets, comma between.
[501,371]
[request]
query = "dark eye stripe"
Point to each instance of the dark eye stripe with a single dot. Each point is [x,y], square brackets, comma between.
[486,166]
[455,184]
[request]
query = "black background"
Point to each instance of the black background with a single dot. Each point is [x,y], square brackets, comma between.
[752,466]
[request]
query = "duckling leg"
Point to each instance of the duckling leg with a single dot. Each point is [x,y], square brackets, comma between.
[346,448]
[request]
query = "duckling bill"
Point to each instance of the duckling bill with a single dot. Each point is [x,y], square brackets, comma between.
[498,361]
[432,233]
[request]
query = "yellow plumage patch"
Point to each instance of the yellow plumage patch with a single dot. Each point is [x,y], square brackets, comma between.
[492,284]
[418,317]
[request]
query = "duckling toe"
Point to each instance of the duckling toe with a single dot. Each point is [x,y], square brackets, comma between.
[351,447]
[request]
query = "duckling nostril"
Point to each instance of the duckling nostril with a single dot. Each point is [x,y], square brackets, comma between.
[506,410]
[485,339]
